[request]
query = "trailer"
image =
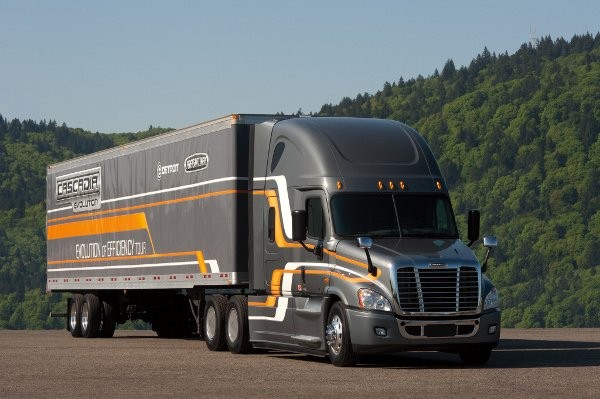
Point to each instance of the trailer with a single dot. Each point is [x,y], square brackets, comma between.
[326,236]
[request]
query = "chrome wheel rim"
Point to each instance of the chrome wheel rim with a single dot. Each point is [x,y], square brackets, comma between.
[85,312]
[211,323]
[233,325]
[334,335]
[73,316]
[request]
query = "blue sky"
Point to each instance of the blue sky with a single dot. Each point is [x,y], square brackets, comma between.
[117,66]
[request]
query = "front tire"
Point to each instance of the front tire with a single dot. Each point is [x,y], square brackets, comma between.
[238,336]
[337,335]
[213,323]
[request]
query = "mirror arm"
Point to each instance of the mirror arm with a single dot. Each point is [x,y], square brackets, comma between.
[317,250]
[371,268]
[487,256]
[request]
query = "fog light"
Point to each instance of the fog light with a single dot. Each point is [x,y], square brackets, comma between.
[380,331]
[492,329]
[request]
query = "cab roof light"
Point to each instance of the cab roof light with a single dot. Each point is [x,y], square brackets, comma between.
[391,185]
[438,185]
[339,185]
[402,185]
[380,184]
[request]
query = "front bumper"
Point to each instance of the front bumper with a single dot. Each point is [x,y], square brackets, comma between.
[375,332]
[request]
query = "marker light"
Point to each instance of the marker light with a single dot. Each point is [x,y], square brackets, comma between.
[438,185]
[380,184]
[391,184]
[339,185]
[402,185]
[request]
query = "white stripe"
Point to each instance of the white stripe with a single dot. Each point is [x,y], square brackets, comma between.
[284,202]
[213,266]
[282,304]
[122,266]
[286,283]
[166,190]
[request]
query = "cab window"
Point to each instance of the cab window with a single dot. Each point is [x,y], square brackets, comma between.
[314,215]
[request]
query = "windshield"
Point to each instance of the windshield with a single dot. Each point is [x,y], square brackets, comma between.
[397,215]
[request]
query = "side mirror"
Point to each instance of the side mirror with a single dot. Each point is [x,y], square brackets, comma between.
[364,242]
[473,222]
[490,242]
[299,225]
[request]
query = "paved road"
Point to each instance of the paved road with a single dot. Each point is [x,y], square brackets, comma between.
[552,363]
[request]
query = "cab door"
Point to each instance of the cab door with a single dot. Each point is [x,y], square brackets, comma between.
[313,273]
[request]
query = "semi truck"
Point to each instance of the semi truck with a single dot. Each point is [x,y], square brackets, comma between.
[329,236]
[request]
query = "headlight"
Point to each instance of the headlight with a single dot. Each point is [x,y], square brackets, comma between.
[491,300]
[371,300]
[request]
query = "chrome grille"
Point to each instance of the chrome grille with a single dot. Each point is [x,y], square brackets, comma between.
[446,290]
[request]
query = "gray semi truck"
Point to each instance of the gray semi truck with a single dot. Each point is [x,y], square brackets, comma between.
[327,236]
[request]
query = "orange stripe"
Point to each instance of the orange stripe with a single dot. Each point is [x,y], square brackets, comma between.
[112,224]
[201,263]
[270,302]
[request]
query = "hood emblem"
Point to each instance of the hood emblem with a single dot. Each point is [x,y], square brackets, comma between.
[438,265]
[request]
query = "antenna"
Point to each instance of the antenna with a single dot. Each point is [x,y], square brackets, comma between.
[533,39]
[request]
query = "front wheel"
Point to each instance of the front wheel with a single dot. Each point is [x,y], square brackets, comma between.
[337,335]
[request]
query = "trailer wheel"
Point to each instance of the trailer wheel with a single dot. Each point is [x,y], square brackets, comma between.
[75,315]
[238,336]
[108,321]
[476,356]
[213,324]
[337,335]
[90,316]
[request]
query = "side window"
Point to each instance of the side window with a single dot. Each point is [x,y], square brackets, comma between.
[314,216]
[277,153]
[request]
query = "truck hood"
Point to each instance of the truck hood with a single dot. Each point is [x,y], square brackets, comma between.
[415,252]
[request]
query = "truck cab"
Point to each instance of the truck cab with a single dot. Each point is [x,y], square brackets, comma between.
[361,249]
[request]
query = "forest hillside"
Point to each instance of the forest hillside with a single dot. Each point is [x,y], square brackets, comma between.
[516,136]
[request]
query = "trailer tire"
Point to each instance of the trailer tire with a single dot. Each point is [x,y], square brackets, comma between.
[337,336]
[75,315]
[476,356]
[238,335]
[90,316]
[213,323]
[108,322]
